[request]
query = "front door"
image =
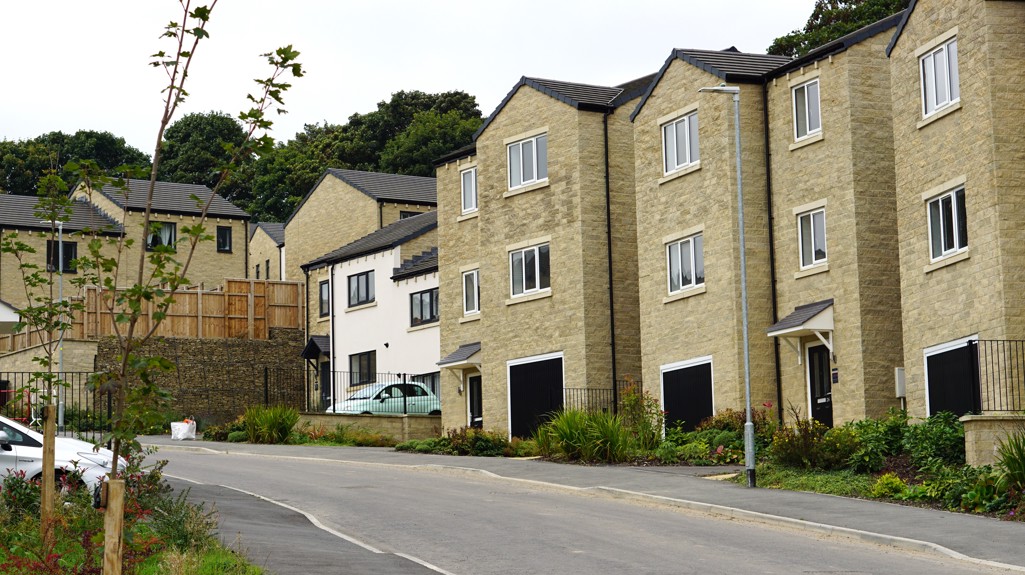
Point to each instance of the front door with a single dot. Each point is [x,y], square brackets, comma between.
[476,404]
[326,389]
[820,386]
[687,396]
[535,393]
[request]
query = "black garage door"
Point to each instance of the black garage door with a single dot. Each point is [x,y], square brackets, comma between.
[953,380]
[687,395]
[535,392]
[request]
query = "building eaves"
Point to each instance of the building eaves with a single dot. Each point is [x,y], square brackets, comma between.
[464,152]
[634,89]
[275,231]
[386,238]
[380,187]
[171,198]
[900,27]
[460,355]
[730,65]
[316,346]
[422,264]
[800,315]
[840,44]
[19,212]
[584,97]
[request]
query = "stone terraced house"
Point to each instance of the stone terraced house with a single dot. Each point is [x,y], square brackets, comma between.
[267,251]
[883,177]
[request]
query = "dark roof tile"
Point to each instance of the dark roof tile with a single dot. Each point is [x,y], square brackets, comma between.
[800,315]
[20,212]
[386,238]
[172,198]
[462,354]
[424,263]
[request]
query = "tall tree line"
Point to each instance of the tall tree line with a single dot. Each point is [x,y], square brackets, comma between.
[402,136]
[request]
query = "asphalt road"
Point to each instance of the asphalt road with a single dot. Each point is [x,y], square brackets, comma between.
[388,519]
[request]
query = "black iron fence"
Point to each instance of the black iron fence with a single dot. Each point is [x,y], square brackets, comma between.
[80,411]
[348,392]
[599,399]
[1002,374]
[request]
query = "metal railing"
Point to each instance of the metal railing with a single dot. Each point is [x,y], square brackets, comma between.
[80,411]
[1002,374]
[354,393]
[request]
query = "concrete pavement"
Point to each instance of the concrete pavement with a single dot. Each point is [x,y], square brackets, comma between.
[972,538]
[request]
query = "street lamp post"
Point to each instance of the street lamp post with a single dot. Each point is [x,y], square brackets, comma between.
[749,427]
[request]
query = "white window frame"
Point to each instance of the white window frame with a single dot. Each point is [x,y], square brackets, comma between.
[475,308]
[692,153]
[808,109]
[471,206]
[694,254]
[950,91]
[958,218]
[814,261]
[538,288]
[534,159]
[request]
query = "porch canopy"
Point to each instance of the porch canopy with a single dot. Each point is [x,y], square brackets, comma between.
[316,346]
[462,358]
[806,320]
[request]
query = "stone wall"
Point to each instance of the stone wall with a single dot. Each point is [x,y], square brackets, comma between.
[215,380]
[984,433]
[261,250]
[400,427]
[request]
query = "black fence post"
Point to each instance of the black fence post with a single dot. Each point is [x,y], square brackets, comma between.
[405,397]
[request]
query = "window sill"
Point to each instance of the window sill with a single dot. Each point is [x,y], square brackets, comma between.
[224,251]
[323,318]
[947,261]
[529,297]
[806,141]
[680,173]
[526,188]
[470,317]
[814,270]
[467,216]
[698,290]
[422,326]
[361,306]
[937,115]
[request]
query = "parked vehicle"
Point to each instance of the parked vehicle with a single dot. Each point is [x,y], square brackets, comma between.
[390,398]
[21,449]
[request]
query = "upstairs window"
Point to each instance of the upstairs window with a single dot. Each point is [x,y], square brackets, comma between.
[530,270]
[257,271]
[680,143]
[686,263]
[53,256]
[224,239]
[162,234]
[528,161]
[948,224]
[469,186]
[423,307]
[325,297]
[811,236]
[471,292]
[940,80]
[807,115]
[361,288]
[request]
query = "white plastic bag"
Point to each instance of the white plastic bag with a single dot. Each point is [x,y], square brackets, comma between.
[183,430]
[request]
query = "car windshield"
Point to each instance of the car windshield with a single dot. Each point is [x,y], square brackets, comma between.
[365,393]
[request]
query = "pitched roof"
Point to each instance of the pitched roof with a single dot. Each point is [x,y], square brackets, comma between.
[841,44]
[634,88]
[464,152]
[731,65]
[19,212]
[386,238]
[900,27]
[460,355]
[381,187]
[171,198]
[316,346]
[424,263]
[584,97]
[800,315]
[274,230]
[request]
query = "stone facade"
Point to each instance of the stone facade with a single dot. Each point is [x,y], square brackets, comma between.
[215,380]
[847,170]
[567,211]
[975,143]
[705,321]
[12,282]
[265,257]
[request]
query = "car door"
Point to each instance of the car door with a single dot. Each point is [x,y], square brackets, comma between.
[9,453]
[417,399]
[389,400]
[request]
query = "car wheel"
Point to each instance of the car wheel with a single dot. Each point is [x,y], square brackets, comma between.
[366,413]
[435,412]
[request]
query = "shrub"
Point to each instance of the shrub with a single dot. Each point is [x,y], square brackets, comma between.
[695,452]
[985,496]
[472,441]
[521,448]
[565,434]
[586,436]
[945,483]
[221,432]
[1011,462]
[797,445]
[270,424]
[836,447]
[879,439]
[668,453]
[357,436]
[237,437]
[182,525]
[735,419]
[20,496]
[888,486]
[642,415]
[939,436]
[607,439]
[728,439]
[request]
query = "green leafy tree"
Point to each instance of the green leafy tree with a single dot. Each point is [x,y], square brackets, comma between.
[429,135]
[194,150]
[831,19]
[24,163]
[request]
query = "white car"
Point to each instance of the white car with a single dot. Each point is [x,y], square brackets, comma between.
[390,399]
[21,449]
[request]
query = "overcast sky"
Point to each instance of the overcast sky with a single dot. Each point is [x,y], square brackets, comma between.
[82,64]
